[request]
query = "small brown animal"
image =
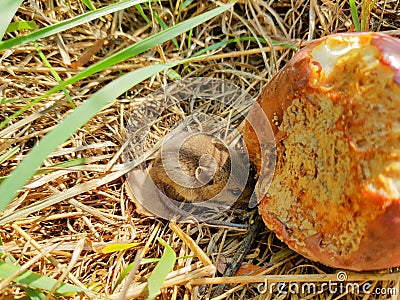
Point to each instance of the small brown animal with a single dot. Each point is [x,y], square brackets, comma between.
[198,167]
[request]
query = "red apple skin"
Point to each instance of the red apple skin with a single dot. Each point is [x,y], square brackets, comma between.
[335,195]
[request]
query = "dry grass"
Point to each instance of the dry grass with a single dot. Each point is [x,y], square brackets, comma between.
[90,207]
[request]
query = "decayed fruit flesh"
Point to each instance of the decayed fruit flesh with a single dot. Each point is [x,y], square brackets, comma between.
[335,108]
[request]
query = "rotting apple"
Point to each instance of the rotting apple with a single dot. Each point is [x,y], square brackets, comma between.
[335,112]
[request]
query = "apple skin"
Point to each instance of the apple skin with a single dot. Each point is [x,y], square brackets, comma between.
[335,113]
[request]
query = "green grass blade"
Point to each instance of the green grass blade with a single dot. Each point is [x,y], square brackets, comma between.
[185,4]
[53,72]
[161,270]
[141,12]
[354,15]
[164,27]
[144,261]
[127,53]
[111,248]
[126,271]
[173,75]
[89,4]
[34,294]
[143,46]
[7,12]
[189,40]
[9,154]
[13,100]
[158,20]
[67,24]
[23,25]
[242,39]
[27,168]
[70,163]
[64,165]
[36,280]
